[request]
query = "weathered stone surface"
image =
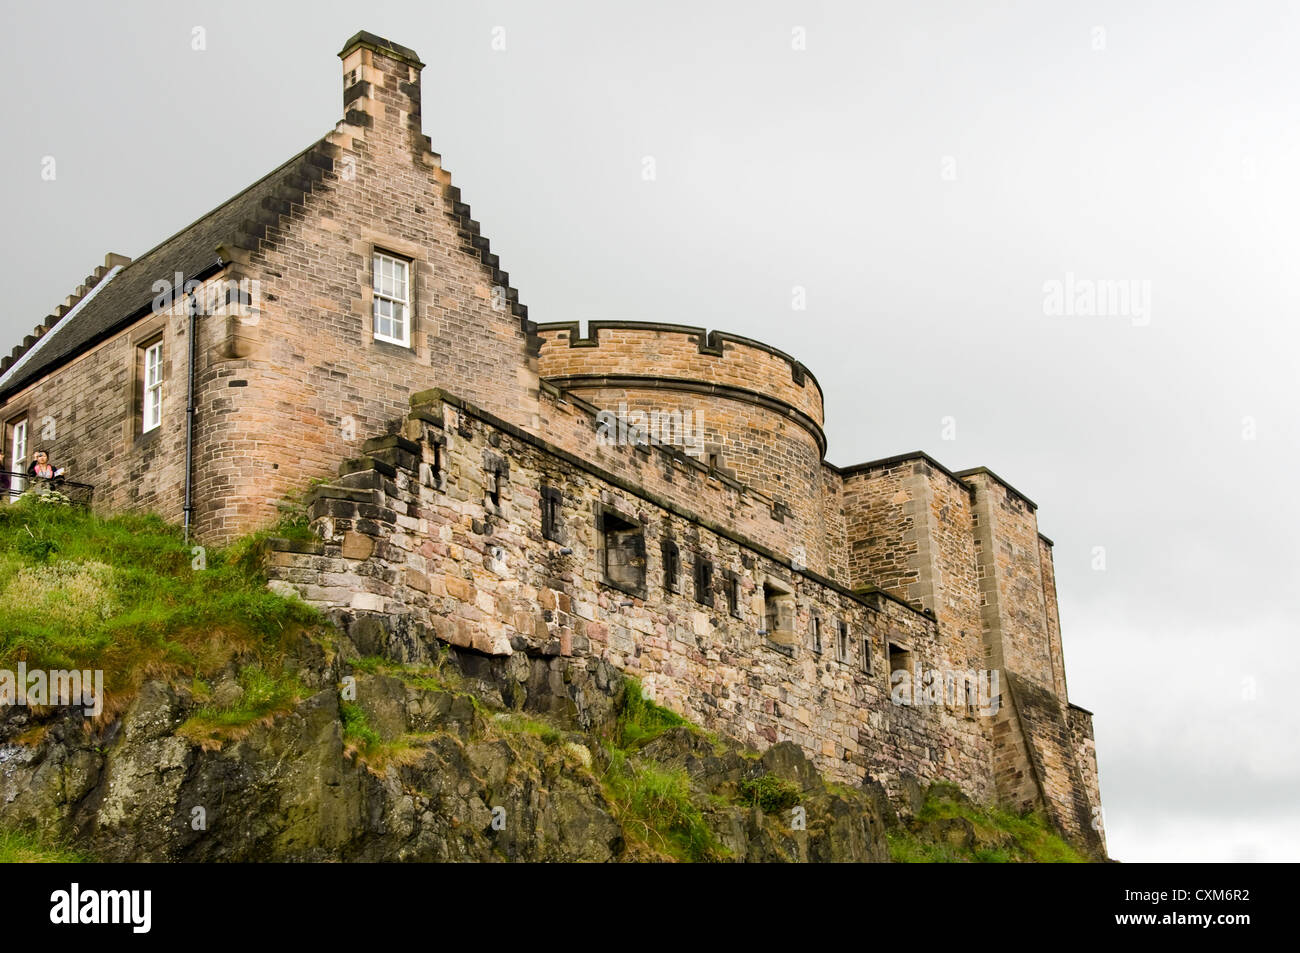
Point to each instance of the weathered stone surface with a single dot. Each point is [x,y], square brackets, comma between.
[288,789]
[434,522]
[356,546]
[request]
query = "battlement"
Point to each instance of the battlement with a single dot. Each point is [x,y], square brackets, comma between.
[761,589]
[683,357]
[459,528]
[756,410]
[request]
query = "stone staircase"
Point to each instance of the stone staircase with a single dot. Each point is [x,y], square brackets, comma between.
[379,561]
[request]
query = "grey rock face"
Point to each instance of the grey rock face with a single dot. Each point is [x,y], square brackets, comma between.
[448,784]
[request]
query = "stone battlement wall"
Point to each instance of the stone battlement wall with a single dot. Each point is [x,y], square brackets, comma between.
[570,422]
[681,353]
[433,532]
[438,535]
[758,411]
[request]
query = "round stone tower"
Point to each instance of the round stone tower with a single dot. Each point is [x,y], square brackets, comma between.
[760,409]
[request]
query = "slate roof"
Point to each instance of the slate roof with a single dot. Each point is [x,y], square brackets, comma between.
[112,301]
[126,296]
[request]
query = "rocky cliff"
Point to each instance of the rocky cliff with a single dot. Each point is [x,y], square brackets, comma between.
[239,725]
[463,759]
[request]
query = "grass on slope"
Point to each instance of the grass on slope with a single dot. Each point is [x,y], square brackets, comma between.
[654,804]
[19,847]
[126,595]
[1000,836]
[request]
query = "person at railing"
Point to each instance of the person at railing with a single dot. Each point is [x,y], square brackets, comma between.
[41,467]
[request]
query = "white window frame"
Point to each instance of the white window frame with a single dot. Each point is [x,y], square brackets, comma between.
[153,387]
[18,453]
[392,292]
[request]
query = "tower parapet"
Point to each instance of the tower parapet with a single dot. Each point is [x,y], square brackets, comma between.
[760,409]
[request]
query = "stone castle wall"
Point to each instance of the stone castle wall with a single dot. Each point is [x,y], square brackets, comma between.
[90,416]
[1085,754]
[436,534]
[419,550]
[1052,618]
[884,523]
[1012,602]
[316,381]
[760,410]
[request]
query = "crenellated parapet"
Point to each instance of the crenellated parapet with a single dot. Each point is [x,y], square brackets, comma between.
[758,410]
[678,357]
[456,528]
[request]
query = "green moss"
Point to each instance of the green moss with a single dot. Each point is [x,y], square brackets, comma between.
[200,690]
[356,729]
[264,695]
[659,813]
[370,664]
[515,721]
[841,790]
[907,848]
[656,809]
[432,678]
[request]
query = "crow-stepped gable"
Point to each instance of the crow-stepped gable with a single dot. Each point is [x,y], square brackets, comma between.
[343,323]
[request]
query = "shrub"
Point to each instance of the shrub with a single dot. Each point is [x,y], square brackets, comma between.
[356,729]
[770,793]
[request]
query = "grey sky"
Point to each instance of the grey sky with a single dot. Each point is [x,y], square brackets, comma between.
[1168,156]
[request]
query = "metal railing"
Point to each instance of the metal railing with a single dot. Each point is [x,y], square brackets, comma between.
[14,485]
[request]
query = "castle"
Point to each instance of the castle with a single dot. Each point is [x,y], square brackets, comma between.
[343,323]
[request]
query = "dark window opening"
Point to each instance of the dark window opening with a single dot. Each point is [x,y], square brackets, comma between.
[496,474]
[733,594]
[865,661]
[900,660]
[817,634]
[551,500]
[778,613]
[622,553]
[703,581]
[672,566]
[431,474]
[841,640]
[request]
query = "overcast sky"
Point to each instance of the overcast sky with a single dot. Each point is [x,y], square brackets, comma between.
[923,171]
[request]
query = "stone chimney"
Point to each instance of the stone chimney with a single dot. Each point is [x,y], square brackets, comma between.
[381,86]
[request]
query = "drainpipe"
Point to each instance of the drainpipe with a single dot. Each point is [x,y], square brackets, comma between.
[212,269]
[189,420]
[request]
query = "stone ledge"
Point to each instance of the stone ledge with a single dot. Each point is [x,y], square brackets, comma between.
[279,544]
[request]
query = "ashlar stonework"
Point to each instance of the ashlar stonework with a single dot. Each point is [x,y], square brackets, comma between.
[464,494]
